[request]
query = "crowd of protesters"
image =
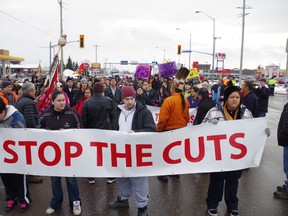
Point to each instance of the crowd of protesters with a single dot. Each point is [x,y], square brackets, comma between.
[101,103]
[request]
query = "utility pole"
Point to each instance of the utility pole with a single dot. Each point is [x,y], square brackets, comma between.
[287,58]
[242,40]
[96,51]
[61,33]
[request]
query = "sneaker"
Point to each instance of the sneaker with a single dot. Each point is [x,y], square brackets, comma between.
[281,194]
[111,180]
[50,211]
[91,180]
[118,203]
[23,207]
[10,205]
[213,212]
[143,211]
[163,178]
[281,188]
[76,208]
[234,213]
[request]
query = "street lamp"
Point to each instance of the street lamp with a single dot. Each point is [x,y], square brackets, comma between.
[163,51]
[214,40]
[189,45]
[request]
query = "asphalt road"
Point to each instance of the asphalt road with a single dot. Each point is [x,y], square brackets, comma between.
[179,197]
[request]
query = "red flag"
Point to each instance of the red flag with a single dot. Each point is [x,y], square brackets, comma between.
[82,67]
[45,99]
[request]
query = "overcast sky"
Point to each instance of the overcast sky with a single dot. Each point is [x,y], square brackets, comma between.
[131,30]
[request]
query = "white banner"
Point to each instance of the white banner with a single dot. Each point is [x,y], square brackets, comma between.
[156,110]
[229,145]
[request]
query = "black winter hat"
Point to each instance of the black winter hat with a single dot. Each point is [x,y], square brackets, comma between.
[6,83]
[229,90]
[68,79]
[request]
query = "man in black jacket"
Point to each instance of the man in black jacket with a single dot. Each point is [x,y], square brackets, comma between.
[98,110]
[206,103]
[97,113]
[28,108]
[113,92]
[249,99]
[282,135]
[262,93]
[70,90]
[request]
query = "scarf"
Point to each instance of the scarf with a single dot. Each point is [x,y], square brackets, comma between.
[227,114]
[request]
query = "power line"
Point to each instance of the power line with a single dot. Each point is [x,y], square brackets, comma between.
[19,20]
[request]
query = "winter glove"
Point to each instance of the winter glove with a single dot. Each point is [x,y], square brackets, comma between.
[268,132]
[214,121]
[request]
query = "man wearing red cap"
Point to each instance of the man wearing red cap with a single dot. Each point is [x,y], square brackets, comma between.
[132,117]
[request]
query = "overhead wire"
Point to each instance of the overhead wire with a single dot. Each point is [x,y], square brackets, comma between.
[19,20]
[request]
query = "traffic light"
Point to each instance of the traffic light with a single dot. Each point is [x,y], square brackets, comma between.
[179,50]
[81,41]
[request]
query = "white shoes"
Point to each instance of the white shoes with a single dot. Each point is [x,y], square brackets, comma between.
[76,208]
[50,211]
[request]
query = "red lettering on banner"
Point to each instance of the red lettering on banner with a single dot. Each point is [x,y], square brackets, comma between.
[166,152]
[240,146]
[157,117]
[217,147]
[127,155]
[57,151]
[27,145]
[201,153]
[140,155]
[14,158]
[69,155]
[99,151]
[192,118]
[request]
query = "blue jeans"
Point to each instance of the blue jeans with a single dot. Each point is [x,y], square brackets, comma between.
[138,185]
[72,188]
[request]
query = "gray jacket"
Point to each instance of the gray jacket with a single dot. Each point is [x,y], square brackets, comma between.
[217,113]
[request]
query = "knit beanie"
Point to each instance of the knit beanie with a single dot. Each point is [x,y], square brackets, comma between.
[229,90]
[68,79]
[6,83]
[128,91]
[98,88]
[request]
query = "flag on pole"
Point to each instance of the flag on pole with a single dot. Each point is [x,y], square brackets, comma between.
[45,99]
[82,67]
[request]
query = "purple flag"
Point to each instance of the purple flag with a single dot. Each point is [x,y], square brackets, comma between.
[168,69]
[142,71]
